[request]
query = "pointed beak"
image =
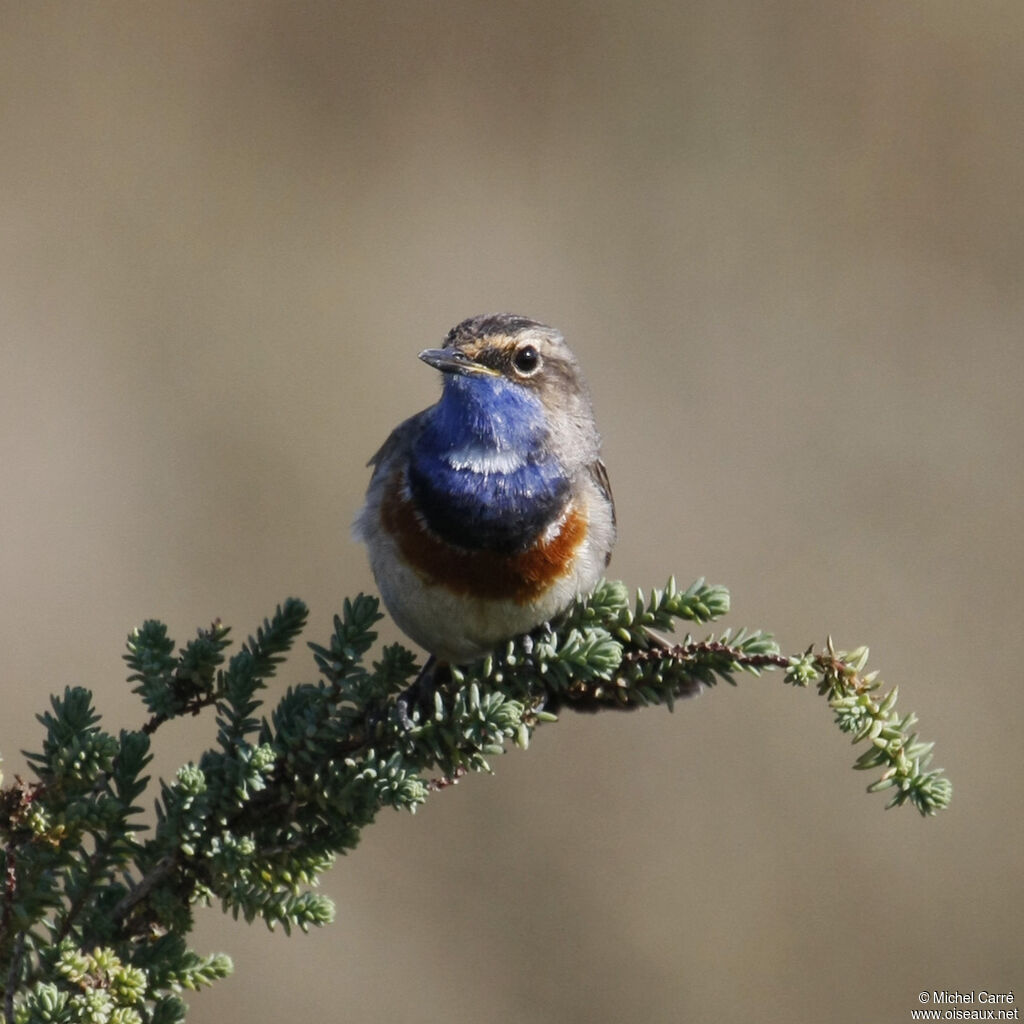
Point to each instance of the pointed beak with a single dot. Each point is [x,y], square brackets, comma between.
[453,360]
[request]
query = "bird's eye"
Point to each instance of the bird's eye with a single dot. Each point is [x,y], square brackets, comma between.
[526,361]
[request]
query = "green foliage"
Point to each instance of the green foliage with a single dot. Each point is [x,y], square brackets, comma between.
[98,987]
[95,907]
[866,715]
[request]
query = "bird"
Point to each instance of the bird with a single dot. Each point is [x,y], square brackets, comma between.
[490,512]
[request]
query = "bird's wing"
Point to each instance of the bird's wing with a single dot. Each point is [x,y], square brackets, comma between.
[401,437]
[600,475]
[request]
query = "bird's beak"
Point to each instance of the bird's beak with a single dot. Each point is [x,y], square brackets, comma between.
[454,360]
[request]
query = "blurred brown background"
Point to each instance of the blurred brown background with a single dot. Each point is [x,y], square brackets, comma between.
[786,241]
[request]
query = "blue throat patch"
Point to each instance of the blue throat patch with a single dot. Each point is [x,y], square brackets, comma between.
[498,510]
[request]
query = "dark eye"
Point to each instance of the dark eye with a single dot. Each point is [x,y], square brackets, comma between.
[526,360]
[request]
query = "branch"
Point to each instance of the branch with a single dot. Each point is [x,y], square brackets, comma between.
[94,906]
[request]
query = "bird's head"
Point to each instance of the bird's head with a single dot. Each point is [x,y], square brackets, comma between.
[512,377]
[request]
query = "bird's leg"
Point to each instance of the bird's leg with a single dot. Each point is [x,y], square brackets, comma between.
[433,674]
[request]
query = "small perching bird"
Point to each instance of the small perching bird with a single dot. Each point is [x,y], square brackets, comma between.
[489,512]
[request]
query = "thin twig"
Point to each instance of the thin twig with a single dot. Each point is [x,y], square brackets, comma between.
[12,977]
[688,652]
[146,885]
